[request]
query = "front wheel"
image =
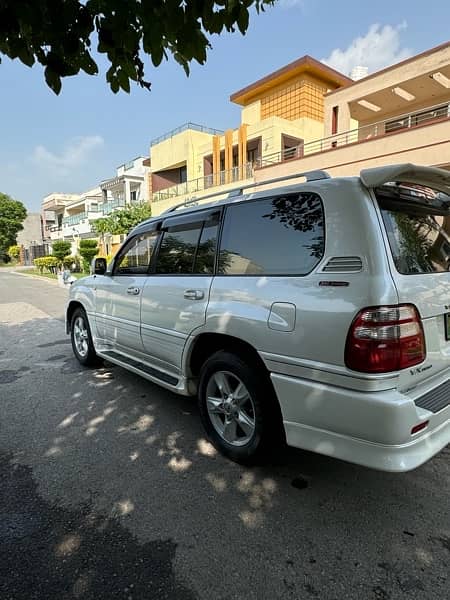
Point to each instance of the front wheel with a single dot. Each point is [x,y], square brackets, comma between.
[238,407]
[81,338]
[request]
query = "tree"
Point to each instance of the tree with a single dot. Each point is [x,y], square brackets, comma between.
[122,220]
[58,34]
[12,215]
[88,249]
[61,249]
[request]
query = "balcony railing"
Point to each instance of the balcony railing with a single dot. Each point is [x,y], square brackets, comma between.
[389,126]
[185,127]
[108,207]
[203,183]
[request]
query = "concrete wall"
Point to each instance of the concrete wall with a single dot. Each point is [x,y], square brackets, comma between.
[180,149]
[251,114]
[31,231]
[414,72]
[428,145]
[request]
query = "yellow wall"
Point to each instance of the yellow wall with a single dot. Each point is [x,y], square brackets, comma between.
[180,149]
[251,114]
[300,97]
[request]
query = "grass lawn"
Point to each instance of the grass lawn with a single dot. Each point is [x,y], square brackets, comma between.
[49,275]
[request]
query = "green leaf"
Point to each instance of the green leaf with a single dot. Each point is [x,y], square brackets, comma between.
[53,80]
[88,65]
[58,34]
[123,80]
[114,84]
[242,20]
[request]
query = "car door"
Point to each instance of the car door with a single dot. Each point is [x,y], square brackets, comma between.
[118,296]
[175,295]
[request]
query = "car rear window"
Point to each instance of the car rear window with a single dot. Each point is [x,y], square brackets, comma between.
[417,222]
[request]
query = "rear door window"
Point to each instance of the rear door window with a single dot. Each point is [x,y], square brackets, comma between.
[282,235]
[189,247]
[418,228]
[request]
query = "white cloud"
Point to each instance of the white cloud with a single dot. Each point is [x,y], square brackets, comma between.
[74,155]
[379,48]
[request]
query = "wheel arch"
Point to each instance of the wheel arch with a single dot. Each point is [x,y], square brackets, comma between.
[71,308]
[207,344]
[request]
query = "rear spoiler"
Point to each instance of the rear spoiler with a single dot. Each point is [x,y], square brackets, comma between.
[438,179]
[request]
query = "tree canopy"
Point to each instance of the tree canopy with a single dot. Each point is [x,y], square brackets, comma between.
[12,215]
[61,249]
[65,35]
[122,220]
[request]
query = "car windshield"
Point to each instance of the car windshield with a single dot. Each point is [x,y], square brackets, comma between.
[417,221]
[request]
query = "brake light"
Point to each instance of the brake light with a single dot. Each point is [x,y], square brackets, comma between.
[384,339]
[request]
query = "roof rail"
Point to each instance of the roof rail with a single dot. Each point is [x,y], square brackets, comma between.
[309,176]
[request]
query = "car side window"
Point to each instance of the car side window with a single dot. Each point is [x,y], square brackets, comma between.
[283,235]
[206,251]
[178,249]
[135,257]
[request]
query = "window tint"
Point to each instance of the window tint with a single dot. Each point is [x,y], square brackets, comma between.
[278,236]
[135,257]
[178,248]
[418,230]
[206,252]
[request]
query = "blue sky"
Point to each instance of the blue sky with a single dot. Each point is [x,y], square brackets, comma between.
[69,143]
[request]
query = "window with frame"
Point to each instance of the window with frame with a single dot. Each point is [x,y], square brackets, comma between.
[189,248]
[177,250]
[283,235]
[136,256]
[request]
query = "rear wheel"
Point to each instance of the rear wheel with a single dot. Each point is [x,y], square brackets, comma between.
[82,344]
[238,407]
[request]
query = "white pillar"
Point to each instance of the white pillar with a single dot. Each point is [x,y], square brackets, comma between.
[127,192]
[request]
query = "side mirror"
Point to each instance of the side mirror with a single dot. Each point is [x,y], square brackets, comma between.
[98,266]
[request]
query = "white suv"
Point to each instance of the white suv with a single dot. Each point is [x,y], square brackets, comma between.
[317,313]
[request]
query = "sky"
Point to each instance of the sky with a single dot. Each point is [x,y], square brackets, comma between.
[71,142]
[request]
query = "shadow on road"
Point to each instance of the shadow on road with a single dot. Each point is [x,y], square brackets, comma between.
[51,552]
[123,473]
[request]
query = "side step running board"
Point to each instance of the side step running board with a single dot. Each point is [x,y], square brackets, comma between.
[139,366]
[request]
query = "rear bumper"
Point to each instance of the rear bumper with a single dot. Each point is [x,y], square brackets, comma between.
[370,429]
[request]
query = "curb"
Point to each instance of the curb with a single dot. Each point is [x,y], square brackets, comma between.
[38,277]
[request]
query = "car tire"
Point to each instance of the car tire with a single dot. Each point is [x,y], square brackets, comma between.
[81,338]
[238,408]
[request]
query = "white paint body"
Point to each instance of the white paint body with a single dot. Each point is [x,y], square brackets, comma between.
[299,330]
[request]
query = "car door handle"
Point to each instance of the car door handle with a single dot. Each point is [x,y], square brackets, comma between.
[194,294]
[134,291]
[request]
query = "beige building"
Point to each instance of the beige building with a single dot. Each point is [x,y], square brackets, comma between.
[306,116]
[399,114]
[280,113]
[302,117]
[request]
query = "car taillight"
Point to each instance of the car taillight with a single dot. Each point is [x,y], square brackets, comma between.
[385,338]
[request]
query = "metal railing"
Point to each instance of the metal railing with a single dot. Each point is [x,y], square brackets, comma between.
[203,183]
[389,126]
[185,127]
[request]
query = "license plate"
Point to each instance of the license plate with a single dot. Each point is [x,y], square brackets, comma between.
[447,326]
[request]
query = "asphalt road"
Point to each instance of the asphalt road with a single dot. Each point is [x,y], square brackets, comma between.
[108,489]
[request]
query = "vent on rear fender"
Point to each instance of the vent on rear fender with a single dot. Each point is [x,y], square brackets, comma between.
[343,264]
